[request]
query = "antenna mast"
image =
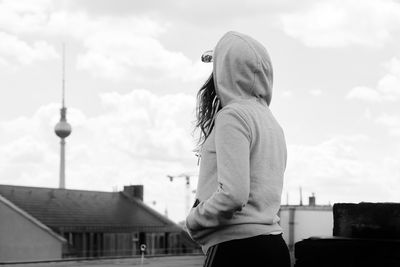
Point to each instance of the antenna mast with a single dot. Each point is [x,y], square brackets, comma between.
[63,75]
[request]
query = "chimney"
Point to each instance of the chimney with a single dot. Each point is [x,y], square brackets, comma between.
[135,191]
[311,200]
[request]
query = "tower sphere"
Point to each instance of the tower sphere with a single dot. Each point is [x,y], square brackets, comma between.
[63,129]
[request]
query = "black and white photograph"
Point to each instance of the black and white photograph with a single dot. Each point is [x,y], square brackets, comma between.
[184,133]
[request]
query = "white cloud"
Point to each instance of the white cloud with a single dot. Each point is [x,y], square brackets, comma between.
[287,93]
[18,17]
[116,48]
[13,49]
[336,23]
[315,92]
[367,114]
[138,138]
[129,49]
[389,85]
[392,122]
[24,16]
[148,126]
[337,171]
[364,93]
[128,55]
[388,120]
[387,89]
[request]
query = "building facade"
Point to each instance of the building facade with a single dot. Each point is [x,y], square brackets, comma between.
[23,238]
[303,221]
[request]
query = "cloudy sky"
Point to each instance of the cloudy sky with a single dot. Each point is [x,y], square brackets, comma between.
[133,70]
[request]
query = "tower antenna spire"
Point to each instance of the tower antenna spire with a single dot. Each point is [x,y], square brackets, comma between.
[63,75]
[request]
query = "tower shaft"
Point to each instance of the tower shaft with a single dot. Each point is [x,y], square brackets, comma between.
[62,164]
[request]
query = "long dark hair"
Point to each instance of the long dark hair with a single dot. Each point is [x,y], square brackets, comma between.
[207,106]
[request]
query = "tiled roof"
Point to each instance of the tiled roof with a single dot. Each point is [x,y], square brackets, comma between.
[82,210]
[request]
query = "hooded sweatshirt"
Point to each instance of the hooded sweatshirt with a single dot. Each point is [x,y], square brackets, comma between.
[244,157]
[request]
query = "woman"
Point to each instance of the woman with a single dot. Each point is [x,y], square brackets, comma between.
[243,159]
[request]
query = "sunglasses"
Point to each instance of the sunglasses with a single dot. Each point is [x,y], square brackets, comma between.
[207,56]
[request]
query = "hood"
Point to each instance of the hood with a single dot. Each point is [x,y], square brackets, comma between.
[242,69]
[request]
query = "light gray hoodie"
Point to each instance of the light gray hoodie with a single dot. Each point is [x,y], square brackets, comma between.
[244,158]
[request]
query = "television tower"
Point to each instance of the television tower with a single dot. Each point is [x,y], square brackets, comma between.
[63,128]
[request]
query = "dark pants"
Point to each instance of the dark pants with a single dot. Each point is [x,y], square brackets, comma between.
[262,251]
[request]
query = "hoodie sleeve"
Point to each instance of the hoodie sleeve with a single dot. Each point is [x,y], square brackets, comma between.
[232,142]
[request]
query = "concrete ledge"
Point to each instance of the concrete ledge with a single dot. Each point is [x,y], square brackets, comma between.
[349,252]
[367,220]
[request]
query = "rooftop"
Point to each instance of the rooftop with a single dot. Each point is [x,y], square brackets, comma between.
[81,209]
